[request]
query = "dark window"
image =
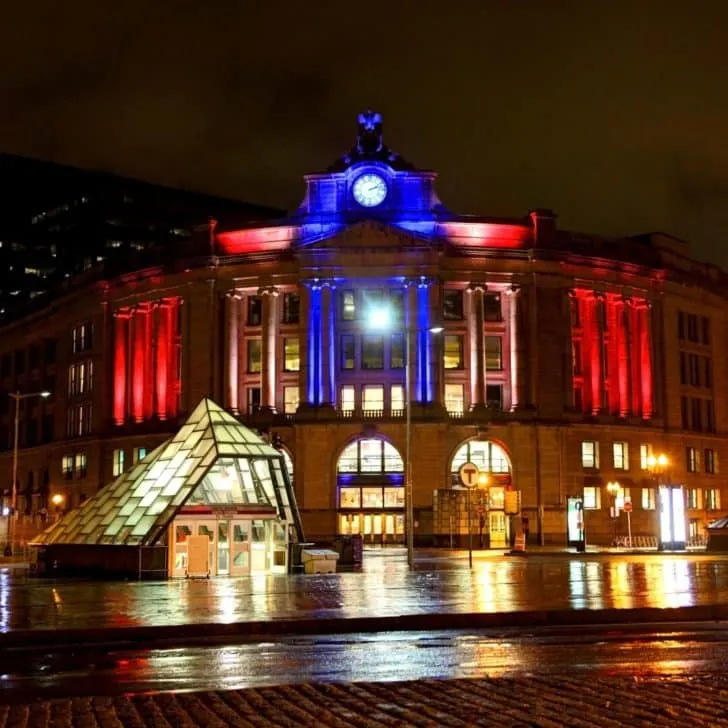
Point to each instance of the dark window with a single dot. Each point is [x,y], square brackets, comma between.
[291,308]
[576,357]
[34,357]
[684,413]
[254,356]
[709,460]
[706,330]
[709,418]
[396,298]
[492,307]
[575,318]
[452,309]
[253,399]
[697,420]
[47,428]
[348,306]
[6,365]
[32,439]
[692,327]
[694,370]
[683,368]
[50,351]
[397,352]
[681,325]
[493,353]
[82,337]
[494,396]
[255,310]
[372,352]
[707,372]
[348,352]
[578,399]
[19,362]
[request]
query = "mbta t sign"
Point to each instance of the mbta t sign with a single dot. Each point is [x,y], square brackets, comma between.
[468,474]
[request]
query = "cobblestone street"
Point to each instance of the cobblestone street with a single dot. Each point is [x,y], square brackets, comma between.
[544,702]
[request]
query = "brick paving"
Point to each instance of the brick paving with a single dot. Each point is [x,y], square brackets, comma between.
[544,702]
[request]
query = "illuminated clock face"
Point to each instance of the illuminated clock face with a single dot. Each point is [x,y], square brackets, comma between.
[370,190]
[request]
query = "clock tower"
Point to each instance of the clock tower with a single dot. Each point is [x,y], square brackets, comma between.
[370,182]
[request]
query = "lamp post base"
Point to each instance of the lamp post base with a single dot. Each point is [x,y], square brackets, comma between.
[8,551]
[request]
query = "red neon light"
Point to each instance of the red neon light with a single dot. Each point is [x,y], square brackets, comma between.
[487,234]
[257,240]
[646,361]
[120,333]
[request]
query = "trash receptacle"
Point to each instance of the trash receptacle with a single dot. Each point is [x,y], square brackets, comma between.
[319,561]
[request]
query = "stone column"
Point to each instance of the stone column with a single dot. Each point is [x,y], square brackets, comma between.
[411,343]
[232,349]
[308,362]
[436,349]
[634,356]
[327,395]
[121,332]
[269,347]
[645,315]
[516,349]
[476,330]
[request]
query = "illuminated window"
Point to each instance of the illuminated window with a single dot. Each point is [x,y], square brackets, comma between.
[452,309]
[695,498]
[290,400]
[372,352]
[645,454]
[80,377]
[712,499]
[348,306]
[487,455]
[348,398]
[118,464]
[81,463]
[349,497]
[493,353]
[291,355]
[82,337]
[79,420]
[620,454]
[67,466]
[291,308]
[455,398]
[397,398]
[373,398]
[370,455]
[592,498]
[709,460]
[348,352]
[648,499]
[589,454]
[453,352]
[691,460]
[397,352]
[139,454]
[255,310]
[254,356]
[396,300]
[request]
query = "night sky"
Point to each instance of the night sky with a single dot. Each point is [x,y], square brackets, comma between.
[613,113]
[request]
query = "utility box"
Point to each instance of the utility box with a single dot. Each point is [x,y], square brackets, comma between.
[319,561]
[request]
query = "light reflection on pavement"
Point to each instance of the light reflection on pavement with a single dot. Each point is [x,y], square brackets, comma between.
[441,583]
[698,649]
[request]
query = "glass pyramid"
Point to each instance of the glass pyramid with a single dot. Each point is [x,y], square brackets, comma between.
[213,459]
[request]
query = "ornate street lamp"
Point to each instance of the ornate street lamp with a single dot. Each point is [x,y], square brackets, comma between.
[613,489]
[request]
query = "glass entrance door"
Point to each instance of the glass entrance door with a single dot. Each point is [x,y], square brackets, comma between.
[498,529]
[223,548]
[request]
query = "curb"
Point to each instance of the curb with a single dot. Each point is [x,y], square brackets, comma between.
[186,634]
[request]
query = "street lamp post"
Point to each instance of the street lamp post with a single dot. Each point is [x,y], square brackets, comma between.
[379,318]
[12,516]
[613,489]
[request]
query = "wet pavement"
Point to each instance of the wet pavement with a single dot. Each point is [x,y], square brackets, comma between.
[618,651]
[441,583]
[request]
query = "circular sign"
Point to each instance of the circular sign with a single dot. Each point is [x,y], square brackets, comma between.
[468,474]
[627,507]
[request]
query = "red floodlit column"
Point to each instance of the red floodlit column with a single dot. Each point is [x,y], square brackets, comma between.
[121,326]
[477,345]
[137,374]
[612,352]
[174,343]
[634,354]
[646,359]
[162,368]
[596,348]
[515,354]
[232,350]
[147,314]
[623,356]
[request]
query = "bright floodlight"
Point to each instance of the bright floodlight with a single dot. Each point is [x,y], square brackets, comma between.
[379,318]
[437,329]
[45,394]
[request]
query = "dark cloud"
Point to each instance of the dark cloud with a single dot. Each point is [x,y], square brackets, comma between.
[611,112]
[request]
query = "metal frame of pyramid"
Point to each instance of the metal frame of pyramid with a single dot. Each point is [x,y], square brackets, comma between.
[137,508]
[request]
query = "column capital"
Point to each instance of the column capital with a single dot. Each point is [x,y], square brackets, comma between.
[477,287]
[123,313]
[514,289]
[233,294]
[268,291]
[317,284]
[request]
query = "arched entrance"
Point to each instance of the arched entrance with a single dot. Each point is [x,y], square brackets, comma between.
[370,491]
[487,520]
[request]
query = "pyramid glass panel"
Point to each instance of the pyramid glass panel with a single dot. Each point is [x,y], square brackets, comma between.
[206,462]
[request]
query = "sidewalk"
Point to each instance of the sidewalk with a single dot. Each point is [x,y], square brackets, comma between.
[550,702]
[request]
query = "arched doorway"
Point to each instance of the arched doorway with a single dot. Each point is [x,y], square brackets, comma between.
[370,491]
[487,518]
